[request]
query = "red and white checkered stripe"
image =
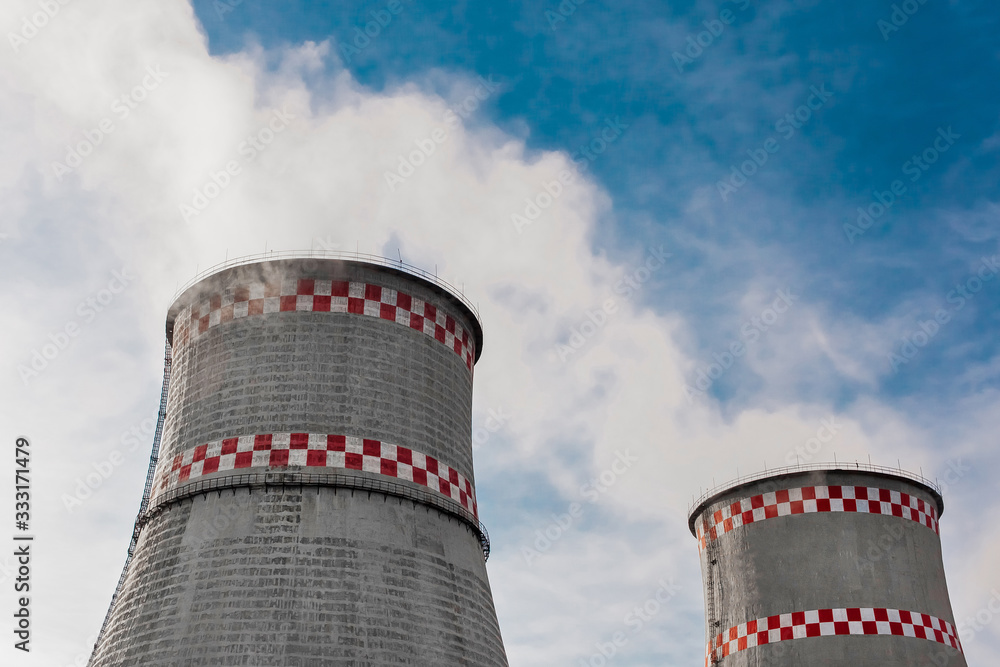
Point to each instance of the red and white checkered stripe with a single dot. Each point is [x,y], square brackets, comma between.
[328,297]
[809,499]
[828,622]
[319,450]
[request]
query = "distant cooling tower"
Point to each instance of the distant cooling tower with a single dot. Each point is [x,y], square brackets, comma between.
[314,499]
[831,566]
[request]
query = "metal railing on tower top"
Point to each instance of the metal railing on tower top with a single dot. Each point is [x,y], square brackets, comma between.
[814,467]
[378,260]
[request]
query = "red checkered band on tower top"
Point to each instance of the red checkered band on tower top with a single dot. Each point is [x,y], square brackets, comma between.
[844,561]
[320,295]
[809,499]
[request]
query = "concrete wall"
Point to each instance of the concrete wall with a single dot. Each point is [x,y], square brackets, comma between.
[305,578]
[321,575]
[826,560]
[322,372]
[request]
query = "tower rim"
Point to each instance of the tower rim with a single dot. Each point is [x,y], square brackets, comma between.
[186,293]
[876,471]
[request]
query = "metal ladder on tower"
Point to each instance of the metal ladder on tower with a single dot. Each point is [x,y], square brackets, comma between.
[147,491]
[711,562]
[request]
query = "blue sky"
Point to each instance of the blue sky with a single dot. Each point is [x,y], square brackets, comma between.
[709,211]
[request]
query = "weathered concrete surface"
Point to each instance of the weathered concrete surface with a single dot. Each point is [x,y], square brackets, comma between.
[322,372]
[311,576]
[828,560]
[305,578]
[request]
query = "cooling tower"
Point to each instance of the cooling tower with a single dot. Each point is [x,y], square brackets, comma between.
[829,566]
[314,499]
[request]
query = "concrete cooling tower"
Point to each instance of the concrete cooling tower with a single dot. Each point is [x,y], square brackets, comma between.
[314,500]
[828,566]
